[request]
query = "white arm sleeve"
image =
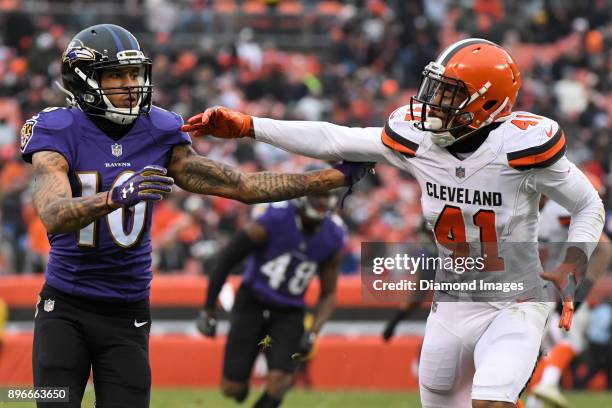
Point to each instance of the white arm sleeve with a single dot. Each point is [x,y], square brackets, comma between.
[564,183]
[326,141]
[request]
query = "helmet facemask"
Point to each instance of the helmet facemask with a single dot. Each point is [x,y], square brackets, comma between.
[441,100]
[139,93]
[317,207]
[142,92]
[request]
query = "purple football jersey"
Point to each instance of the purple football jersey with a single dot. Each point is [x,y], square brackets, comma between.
[110,259]
[280,270]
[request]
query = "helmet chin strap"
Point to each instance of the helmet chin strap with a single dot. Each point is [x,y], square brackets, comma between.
[121,116]
[443,139]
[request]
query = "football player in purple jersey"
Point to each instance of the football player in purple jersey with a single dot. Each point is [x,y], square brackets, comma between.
[287,244]
[98,166]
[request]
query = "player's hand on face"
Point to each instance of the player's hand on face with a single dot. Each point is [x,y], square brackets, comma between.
[148,184]
[219,122]
[207,323]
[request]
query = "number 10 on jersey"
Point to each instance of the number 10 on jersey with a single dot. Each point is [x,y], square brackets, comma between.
[122,236]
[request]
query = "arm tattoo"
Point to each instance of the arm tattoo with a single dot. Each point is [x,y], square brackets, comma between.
[198,174]
[52,196]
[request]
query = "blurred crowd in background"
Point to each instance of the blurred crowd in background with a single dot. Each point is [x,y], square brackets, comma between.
[350,62]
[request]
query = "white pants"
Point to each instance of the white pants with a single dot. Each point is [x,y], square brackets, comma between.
[479,351]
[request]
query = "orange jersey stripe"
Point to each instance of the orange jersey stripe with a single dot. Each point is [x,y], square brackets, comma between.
[540,157]
[392,144]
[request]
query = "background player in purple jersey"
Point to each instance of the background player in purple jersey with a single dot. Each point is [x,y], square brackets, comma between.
[97,166]
[289,243]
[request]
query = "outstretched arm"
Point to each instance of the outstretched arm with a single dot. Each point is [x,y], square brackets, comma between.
[321,140]
[52,196]
[198,174]
[324,140]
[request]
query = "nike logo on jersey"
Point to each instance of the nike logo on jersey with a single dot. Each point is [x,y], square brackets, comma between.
[549,132]
[140,324]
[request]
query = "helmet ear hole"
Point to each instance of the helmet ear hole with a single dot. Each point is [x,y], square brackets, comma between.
[489,104]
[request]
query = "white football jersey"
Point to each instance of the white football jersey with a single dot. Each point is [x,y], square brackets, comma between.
[492,187]
[490,196]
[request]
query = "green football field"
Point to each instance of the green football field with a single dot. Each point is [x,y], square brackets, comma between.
[191,398]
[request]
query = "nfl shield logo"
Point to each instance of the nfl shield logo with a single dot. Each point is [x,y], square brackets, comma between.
[49,305]
[117,149]
[460,172]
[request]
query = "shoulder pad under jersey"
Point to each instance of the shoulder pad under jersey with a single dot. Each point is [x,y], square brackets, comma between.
[165,120]
[49,121]
[532,141]
[399,133]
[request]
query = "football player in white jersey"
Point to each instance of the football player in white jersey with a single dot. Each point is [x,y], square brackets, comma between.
[481,168]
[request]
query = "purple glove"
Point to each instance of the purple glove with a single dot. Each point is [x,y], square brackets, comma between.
[353,172]
[148,184]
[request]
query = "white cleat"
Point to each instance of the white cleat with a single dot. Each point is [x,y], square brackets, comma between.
[552,395]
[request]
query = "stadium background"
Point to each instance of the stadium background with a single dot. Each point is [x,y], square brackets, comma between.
[350,62]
